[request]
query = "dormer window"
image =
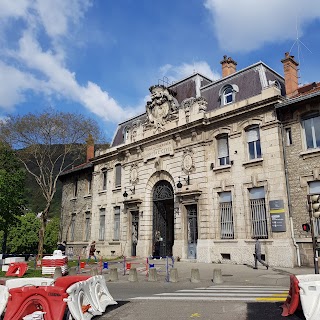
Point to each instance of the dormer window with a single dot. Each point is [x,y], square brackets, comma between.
[227,94]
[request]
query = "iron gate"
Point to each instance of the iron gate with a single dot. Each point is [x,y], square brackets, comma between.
[135,232]
[192,231]
[163,219]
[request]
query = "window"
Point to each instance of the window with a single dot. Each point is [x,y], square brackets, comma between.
[259,222]
[223,150]
[104,180]
[116,235]
[226,215]
[102,224]
[72,226]
[126,134]
[227,95]
[87,227]
[312,132]
[253,139]
[288,137]
[89,181]
[75,187]
[118,175]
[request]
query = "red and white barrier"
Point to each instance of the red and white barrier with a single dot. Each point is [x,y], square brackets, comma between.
[85,297]
[4,296]
[49,263]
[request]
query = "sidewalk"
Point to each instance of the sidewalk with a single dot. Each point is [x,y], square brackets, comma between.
[232,274]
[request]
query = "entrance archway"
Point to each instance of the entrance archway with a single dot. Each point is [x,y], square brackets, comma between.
[163,219]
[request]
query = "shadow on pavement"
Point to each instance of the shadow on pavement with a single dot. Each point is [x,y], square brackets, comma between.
[269,310]
[116,306]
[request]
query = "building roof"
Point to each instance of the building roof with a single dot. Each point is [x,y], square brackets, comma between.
[80,167]
[305,92]
[250,81]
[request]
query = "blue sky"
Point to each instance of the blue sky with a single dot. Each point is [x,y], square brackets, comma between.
[100,57]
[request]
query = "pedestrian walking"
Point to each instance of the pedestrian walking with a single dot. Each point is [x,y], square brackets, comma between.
[257,255]
[92,250]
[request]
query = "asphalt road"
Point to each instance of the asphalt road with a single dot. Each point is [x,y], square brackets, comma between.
[206,310]
[179,308]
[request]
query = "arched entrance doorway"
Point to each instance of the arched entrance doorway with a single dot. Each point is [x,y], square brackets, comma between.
[163,219]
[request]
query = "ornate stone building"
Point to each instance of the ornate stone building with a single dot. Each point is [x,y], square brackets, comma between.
[197,176]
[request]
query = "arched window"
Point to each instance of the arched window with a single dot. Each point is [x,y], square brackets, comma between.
[227,94]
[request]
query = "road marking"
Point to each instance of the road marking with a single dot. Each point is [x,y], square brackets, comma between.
[240,293]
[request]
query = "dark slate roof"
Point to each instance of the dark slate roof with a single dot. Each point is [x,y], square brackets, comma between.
[186,88]
[119,134]
[81,167]
[247,80]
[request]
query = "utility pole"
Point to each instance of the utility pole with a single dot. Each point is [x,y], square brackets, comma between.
[314,214]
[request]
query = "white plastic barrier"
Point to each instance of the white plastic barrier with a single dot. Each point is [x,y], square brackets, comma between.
[4,296]
[100,293]
[5,266]
[22,282]
[310,295]
[93,293]
[49,263]
[37,315]
[80,297]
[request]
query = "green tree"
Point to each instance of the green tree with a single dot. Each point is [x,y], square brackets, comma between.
[39,138]
[23,237]
[11,191]
[52,234]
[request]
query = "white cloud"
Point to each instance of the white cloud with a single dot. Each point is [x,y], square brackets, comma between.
[40,67]
[176,73]
[14,9]
[14,84]
[248,24]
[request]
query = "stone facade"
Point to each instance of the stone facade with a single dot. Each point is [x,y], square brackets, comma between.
[159,188]
[303,165]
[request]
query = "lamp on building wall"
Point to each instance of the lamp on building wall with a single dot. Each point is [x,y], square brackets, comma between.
[133,191]
[187,180]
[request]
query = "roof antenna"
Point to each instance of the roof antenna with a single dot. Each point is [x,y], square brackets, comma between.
[298,42]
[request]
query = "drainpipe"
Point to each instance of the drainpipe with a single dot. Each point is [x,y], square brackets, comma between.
[288,196]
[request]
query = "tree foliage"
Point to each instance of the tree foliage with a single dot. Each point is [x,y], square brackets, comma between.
[11,191]
[23,237]
[46,141]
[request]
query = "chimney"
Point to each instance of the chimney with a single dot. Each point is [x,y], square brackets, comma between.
[228,66]
[290,67]
[90,148]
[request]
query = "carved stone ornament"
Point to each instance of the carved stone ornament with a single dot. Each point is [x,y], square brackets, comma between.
[187,161]
[134,174]
[160,107]
[200,102]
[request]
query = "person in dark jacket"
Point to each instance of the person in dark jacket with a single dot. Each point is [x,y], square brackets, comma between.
[92,250]
[257,255]
[62,247]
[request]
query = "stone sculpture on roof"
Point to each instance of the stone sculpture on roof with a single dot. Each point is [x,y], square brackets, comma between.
[161,106]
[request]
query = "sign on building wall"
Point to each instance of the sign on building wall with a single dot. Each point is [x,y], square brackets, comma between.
[158,150]
[277,214]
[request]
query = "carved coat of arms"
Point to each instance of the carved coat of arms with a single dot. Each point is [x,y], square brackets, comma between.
[160,107]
